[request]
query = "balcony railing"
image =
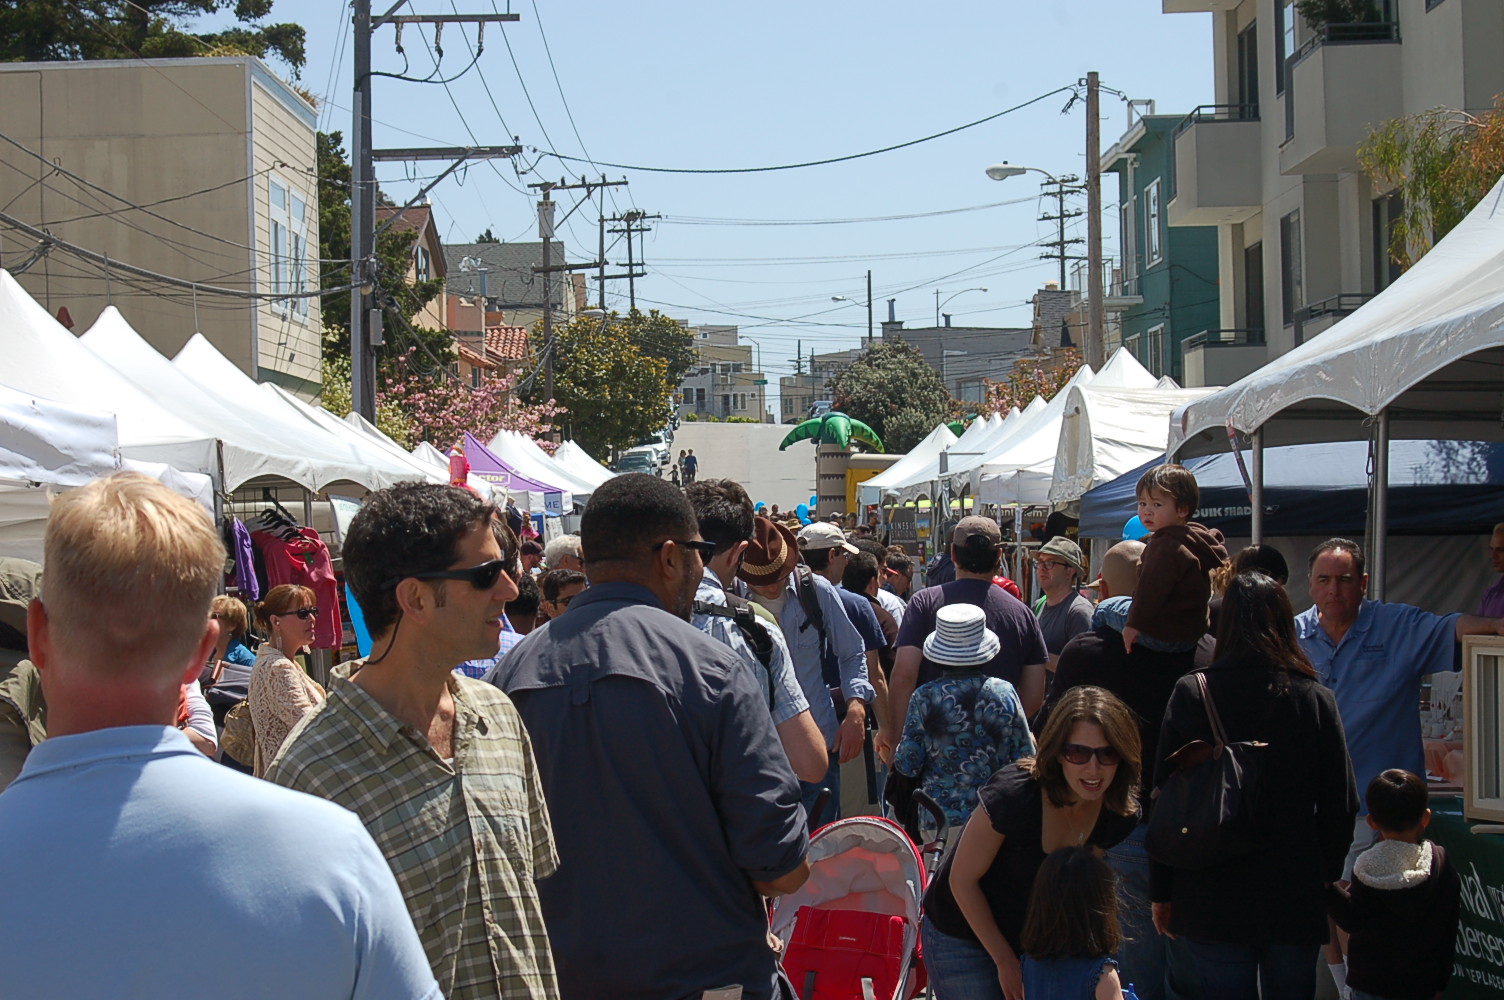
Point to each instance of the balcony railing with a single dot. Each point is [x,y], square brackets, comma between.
[1217,113]
[1345,34]
[1223,338]
[1335,307]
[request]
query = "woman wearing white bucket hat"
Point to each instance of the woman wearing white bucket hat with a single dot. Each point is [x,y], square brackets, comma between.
[964,726]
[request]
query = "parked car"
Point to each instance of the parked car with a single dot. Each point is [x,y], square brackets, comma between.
[819,408]
[638,460]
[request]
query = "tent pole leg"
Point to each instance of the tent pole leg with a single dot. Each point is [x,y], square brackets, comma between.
[1257,497]
[1380,505]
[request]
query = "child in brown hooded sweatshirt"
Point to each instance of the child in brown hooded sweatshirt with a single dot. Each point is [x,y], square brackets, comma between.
[1169,610]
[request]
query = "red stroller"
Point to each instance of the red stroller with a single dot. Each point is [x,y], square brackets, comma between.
[852,930]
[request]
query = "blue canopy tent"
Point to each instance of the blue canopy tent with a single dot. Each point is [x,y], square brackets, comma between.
[1435,488]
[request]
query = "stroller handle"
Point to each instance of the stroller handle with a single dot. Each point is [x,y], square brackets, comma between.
[942,822]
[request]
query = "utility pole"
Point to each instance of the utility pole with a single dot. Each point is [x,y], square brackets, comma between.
[1096,310]
[365,309]
[632,223]
[1064,187]
[549,269]
[869,309]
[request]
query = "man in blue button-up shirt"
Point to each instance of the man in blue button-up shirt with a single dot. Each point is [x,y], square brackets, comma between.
[1373,655]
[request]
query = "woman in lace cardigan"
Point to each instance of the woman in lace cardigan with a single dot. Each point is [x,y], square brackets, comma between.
[280,692]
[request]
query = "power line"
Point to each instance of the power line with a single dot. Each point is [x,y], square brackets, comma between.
[691,220]
[815,163]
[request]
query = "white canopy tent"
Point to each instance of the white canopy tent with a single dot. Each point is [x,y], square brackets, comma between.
[926,478]
[250,447]
[343,429]
[1022,472]
[917,458]
[578,461]
[1421,360]
[1105,433]
[964,461]
[44,359]
[523,454]
[343,462]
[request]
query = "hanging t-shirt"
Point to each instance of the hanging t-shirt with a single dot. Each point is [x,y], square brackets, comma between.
[305,561]
[245,561]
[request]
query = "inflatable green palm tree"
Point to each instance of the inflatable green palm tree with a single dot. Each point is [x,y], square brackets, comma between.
[834,428]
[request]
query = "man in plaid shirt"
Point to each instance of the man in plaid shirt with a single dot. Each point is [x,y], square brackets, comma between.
[437,765]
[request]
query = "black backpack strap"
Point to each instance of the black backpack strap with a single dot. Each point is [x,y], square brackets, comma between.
[804,588]
[754,631]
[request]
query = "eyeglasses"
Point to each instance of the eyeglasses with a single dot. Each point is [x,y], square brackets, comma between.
[1043,563]
[706,549]
[563,602]
[482,577]
[1080,753]
[303,613]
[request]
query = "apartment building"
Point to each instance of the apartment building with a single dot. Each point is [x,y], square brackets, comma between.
[1301,232]
[965,357]
[1162,293]
[503,274]
[200,169]
[725,381]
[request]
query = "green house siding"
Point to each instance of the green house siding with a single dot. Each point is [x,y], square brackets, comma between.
[1179,290]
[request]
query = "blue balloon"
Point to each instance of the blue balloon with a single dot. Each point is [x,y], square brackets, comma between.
[814,501]
[802,511]
[358,620]
[759,505]
[804,519]
[1135,530]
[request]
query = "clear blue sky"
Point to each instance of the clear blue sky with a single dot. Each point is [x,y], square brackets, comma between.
[709,85]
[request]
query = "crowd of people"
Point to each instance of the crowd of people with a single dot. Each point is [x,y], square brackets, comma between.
[581,769]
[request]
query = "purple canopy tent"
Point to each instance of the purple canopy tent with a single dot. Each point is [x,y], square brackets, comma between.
[530,495]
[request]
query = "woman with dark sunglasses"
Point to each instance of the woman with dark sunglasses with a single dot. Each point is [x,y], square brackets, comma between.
[1251,926]
[280,691]
[1079,789]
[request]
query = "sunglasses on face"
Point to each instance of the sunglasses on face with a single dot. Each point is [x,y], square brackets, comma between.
[482,577]
[303,613]
[706,549]
[1080,753]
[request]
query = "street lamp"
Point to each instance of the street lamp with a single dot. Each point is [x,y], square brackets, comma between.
[1002,171]
[857,302]
[939,304]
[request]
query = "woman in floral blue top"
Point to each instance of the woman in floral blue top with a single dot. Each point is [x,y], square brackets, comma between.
[964,726]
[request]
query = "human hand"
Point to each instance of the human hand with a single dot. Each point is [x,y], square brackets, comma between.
[1161,914]
[1010,976]
[884,745]
[1130,636]
[851,736]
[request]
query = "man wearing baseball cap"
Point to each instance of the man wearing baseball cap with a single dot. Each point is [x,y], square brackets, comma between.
[771,569]
[1065,614]
[976,548]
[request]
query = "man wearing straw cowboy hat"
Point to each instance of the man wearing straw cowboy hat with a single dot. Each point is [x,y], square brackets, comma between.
[963,726]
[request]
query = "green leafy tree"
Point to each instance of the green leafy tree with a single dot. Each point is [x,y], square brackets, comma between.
[892,389]
[663,337]
[1442,162]
[1320,13]
[32,30]
[487,237]
[616,390]
[401,299]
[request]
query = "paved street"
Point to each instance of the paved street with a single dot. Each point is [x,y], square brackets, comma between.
[749,454]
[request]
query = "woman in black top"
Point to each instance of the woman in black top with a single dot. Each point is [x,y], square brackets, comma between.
[1078,789]
[1260,918]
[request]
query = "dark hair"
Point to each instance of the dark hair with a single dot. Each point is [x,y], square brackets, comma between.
[861,570]
[553,582]
[629,514]
[1175,482]
[530,548]
[817,559]
[525,604]
[1339,545]
[877,550]
[1397,800]
[1265,559]
[1119,725]
[401,530]
[977,555]
[1073,907]
[724,511]
[900,563]
[284,599]
[1257,626]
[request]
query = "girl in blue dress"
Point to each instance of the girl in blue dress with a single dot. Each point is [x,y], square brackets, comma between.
[1072,933]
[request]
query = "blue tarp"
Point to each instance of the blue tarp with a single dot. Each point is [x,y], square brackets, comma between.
[1435,488]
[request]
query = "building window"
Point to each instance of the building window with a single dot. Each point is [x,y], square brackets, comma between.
[1152,248]
[288,219]
[1386,214]
[1253,287]
[699,399]
[1133,346]
[1291,267]
[1284,42]
[1129,240]
[1248,68]
[475,377]
[423,264]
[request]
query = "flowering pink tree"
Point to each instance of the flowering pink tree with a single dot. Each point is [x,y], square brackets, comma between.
[1042,376]
[441,409]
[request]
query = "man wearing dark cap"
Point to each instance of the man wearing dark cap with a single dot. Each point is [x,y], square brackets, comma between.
[976,550]
[1065,614]
[673,804]
[792,592]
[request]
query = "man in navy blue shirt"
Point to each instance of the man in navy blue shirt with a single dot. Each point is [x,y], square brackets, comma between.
[674,807]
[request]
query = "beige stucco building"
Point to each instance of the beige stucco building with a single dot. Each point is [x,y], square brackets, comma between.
[1273,164]
[201,169]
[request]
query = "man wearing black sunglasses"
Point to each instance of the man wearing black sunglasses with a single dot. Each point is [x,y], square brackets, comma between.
[672,799]
[437,764]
